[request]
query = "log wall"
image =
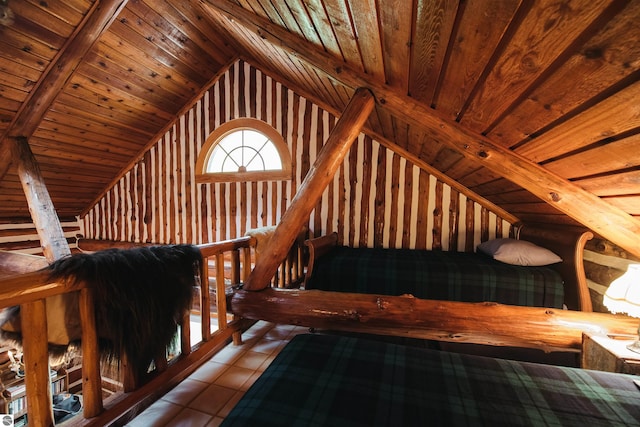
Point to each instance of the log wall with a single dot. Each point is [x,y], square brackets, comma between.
[377,198]
[23,237]
[603,263]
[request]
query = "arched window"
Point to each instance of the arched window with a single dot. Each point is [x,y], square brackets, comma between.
[244,150]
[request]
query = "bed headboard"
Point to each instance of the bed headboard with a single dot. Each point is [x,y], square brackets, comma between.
[569,245]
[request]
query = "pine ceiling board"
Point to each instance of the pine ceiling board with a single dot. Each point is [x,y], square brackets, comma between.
[61,10]
[140,35]
[173,39]
[81,6]
[87,154]
[617,155]
[118,86]
[366,25]
[69,155]
[430,39]
[142,72]
[52,164]
[613,116]
[619,184]
[498,187]
[288,19]
[480,28]
[503,198]
[343,31]
[431,146]
[34,13]
[396,18]
[73,138]
[134,45]
[610,56]
[276,60]
[82,124]
[13,54]
[336,98]
[8,104]
[446,158]
[541,38]
[536,208]
[138,132]
[415,141]
[303,20]
[103,111]
[20,71]
[148,65]
[191,19]
[478,177]
[323,26]
[11,36]
[386,123]
[95,84]
[400,132]
[265,9]
[630,204]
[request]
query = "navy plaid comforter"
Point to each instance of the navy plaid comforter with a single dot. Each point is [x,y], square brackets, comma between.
[437,275]
[322,380]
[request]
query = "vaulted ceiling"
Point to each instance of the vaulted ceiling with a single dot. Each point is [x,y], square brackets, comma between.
[532,105]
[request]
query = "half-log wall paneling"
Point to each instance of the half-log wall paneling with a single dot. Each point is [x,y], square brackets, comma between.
[377,198]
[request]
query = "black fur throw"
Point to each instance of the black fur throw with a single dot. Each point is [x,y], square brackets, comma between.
[140,294]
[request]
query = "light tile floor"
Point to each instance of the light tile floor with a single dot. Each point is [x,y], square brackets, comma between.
[207,395]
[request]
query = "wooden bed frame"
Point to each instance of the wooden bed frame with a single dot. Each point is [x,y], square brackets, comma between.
[568,244]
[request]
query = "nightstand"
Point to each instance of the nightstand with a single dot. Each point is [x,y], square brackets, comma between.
[606,353]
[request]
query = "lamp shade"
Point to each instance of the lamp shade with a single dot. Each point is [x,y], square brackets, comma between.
[623,295]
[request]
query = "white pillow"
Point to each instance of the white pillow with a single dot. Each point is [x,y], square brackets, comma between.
[518,252]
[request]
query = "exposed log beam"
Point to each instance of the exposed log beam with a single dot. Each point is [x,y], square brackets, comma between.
[55,77]
[331,156]
[391,145]
[583,206]
[44,216]
[479,323]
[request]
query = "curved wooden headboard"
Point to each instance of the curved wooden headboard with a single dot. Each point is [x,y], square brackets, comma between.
[569,245]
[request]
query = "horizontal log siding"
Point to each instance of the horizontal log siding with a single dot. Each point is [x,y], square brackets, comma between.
[376,199]
[23,237]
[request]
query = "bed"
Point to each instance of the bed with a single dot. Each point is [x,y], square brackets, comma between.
[457,276]
[327,380]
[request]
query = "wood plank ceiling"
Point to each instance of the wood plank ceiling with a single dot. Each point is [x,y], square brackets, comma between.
[549,89]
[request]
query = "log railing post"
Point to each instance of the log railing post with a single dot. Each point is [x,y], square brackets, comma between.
[91,380]
[319,176]
[221,295]
[205,301]
[36,363]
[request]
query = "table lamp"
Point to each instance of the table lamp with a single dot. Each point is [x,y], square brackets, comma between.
[623,296]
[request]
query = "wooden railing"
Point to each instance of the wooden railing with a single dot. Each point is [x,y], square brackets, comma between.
[225,265]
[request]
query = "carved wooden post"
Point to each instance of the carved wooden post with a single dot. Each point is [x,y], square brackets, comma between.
[320,175]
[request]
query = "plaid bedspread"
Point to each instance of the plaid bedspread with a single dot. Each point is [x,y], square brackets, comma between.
[438,275]
[335,381]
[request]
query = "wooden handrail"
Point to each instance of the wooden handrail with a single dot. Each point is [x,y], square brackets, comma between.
[233,264]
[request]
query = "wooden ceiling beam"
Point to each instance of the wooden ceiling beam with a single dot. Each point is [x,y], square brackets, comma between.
[601,217]
[40,99]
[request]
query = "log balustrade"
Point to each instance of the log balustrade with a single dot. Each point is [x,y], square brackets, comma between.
[225,265]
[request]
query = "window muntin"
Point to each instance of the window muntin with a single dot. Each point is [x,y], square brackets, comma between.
[244,150]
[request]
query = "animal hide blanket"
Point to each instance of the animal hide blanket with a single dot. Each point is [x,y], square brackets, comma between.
[140,294]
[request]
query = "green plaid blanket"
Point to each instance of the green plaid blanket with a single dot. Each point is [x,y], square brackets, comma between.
[438,275]
[323,380]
